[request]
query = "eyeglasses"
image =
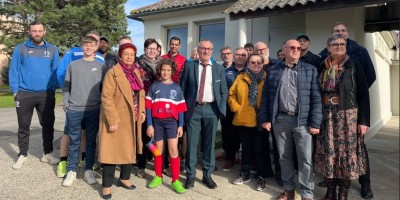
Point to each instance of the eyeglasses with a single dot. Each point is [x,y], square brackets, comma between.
[338,45]
[294,48]
[206,49]
[241,55]
[151,49]
[226,54]
[340,30]
[255,63]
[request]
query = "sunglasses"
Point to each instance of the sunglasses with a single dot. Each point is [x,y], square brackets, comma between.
[338,44]
[294,48]
[255,63]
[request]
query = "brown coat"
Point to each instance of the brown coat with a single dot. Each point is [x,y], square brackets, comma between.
[121,146]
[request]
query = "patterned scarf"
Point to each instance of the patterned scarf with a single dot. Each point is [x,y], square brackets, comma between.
[134,81]
[253,89]
[151,63]
[331,66]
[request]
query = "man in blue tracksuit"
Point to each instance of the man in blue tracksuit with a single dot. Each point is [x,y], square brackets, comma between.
[33,81]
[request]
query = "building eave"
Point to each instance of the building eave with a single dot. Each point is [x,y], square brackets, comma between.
[139,15]
[299,8]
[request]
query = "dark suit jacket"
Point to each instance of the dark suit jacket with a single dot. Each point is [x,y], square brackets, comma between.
[189,83]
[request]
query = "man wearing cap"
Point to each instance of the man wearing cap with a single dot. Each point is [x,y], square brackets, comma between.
[306,55]
[104,47]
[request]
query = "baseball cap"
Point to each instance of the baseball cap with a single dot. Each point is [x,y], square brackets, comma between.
[303,36]
[104,38]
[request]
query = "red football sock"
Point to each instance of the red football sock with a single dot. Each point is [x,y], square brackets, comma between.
[158,164]
[175,168]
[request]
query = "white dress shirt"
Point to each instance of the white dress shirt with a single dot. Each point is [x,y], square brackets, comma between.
[208,95]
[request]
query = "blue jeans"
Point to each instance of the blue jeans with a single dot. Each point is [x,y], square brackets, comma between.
[74,130]
[287,132]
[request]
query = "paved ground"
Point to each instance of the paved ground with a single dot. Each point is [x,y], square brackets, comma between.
[38,180]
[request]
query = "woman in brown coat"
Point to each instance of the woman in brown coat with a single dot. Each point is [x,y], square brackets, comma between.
[121,117]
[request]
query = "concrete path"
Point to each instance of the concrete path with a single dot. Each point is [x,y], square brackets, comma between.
[38,180]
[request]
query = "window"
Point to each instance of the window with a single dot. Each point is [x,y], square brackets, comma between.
[181,33]
[215,33]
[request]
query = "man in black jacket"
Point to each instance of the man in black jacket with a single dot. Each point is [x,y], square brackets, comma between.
[306,55]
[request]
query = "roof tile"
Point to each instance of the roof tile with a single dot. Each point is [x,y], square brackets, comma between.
[252,5]
[169,4]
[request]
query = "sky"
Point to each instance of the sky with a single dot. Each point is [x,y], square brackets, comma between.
[135,27]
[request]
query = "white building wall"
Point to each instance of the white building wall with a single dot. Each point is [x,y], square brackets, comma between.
[155,25]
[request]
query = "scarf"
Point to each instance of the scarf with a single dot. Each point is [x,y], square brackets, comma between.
[151,63]
[253,89]
[134,81]
[331,66]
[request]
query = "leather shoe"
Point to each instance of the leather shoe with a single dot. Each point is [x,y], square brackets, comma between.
[209,182]
[366,192]
[286,195]
[189,183]
[106,196]
[306,199]
[121,184]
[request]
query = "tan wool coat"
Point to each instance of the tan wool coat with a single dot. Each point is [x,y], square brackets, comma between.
[121,146]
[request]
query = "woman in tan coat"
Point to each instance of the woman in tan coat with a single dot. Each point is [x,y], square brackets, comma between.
[121,117]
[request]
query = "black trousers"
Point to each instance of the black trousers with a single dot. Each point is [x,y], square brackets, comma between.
[366,178]
[109,172]
[255,147]
[44,103]
[230,136]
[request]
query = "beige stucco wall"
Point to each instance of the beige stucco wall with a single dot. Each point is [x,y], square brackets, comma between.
[395,83]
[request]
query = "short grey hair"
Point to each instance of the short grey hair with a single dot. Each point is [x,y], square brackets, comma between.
[334,37]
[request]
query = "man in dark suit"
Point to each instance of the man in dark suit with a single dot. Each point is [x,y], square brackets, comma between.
[204,87]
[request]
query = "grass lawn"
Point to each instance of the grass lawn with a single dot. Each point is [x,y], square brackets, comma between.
[7,99]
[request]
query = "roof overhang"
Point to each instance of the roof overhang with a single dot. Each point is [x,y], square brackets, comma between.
[244,9]
[145,11]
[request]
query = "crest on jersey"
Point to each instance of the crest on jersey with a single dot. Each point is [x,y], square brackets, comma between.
[172,94]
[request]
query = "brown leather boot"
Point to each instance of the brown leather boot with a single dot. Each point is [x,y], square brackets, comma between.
[344,186]
[331,189]
[286,195]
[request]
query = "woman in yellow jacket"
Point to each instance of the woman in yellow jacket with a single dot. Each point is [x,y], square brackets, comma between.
[244,100]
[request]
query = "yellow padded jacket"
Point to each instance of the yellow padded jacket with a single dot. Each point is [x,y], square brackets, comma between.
[238,100]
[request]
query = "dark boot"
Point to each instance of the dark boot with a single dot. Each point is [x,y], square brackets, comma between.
[331,190]
[344,186]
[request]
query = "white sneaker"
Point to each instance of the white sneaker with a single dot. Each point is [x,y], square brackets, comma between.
[49,158]
[90,177]
[71,177]
[20,162]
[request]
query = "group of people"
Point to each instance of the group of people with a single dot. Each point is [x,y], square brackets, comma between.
[316,108]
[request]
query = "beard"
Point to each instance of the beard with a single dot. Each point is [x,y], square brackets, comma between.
[102,50]
[37,39]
